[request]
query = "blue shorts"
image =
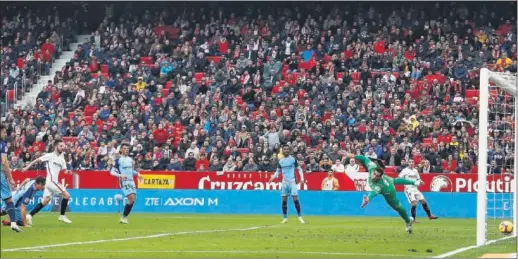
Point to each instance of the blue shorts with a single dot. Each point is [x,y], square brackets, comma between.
[5,191]
[289,189]
[128,187]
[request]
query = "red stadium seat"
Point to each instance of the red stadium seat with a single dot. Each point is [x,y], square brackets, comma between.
[147,60]
[20,62]
[198,76]
[69,139]
[472,93]
[355,75]
[216,59]
[427,141]
[11,95]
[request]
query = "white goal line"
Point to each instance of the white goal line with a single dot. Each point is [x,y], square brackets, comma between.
[131,238]
[463,249]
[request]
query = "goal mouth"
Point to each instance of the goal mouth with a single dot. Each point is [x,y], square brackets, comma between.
[498,123]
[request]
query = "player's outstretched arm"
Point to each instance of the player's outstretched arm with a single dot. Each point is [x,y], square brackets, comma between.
[31,164]
[363,160]
[402,181]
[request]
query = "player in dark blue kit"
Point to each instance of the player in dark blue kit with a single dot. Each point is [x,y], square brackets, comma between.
[6,180]
[286,167]
[22,197]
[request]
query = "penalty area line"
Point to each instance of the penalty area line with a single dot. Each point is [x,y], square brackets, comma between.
[220,252]
[35,248]
[464,249]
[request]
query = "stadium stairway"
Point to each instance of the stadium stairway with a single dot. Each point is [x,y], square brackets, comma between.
[57,65]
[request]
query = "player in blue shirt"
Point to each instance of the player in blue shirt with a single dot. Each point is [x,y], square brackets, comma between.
[6,180]
[23,196]
[286,167]
[123,169]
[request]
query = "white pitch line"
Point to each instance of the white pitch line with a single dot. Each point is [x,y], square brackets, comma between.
[131,238]
[221,252]
[463,249]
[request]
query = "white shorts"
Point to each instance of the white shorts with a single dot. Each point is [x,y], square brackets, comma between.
[52,188]
[414,195]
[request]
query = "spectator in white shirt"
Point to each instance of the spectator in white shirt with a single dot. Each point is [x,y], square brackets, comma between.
[338,167]
[352,167]
[194,149]
[371,154]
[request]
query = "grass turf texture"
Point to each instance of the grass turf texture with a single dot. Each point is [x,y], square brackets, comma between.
[195,236]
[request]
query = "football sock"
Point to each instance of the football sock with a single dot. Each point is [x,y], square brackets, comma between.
[285,209]
[10,210]
[127,210]
[412,211]
[427,209]
[36,209]
[64,204]
[297,207]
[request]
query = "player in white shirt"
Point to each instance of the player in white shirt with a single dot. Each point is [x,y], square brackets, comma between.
[55,163]
[412,192]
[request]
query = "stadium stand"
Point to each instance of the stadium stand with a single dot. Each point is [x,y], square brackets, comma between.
[233,84]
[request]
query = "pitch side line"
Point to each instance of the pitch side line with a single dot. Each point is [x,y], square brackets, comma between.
[132,238]
[219,252]
[460,250]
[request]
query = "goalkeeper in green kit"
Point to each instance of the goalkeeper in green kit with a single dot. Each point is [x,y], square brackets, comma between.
[384,185]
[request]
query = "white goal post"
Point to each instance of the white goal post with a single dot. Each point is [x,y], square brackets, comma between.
[507,83]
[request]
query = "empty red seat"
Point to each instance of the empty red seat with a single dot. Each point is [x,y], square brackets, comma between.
[69,139]
[146,60]
[216,59]
[11,95]
[20,62]
[198,76]
[472,93]
[355,76]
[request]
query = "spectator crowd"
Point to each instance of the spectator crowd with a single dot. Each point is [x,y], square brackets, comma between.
[192,88]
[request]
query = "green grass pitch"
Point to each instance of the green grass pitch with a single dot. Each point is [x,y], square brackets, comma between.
[255,236]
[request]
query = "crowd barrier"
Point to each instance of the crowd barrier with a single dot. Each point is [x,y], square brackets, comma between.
[330,203]
[356,181]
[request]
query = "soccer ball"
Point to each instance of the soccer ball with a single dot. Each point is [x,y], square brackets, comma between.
[506,227]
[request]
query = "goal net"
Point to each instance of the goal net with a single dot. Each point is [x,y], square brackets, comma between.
[497,163]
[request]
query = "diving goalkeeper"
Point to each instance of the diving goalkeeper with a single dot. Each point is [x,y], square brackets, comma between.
[384,185]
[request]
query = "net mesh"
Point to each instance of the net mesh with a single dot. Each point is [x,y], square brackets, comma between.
[501,152]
